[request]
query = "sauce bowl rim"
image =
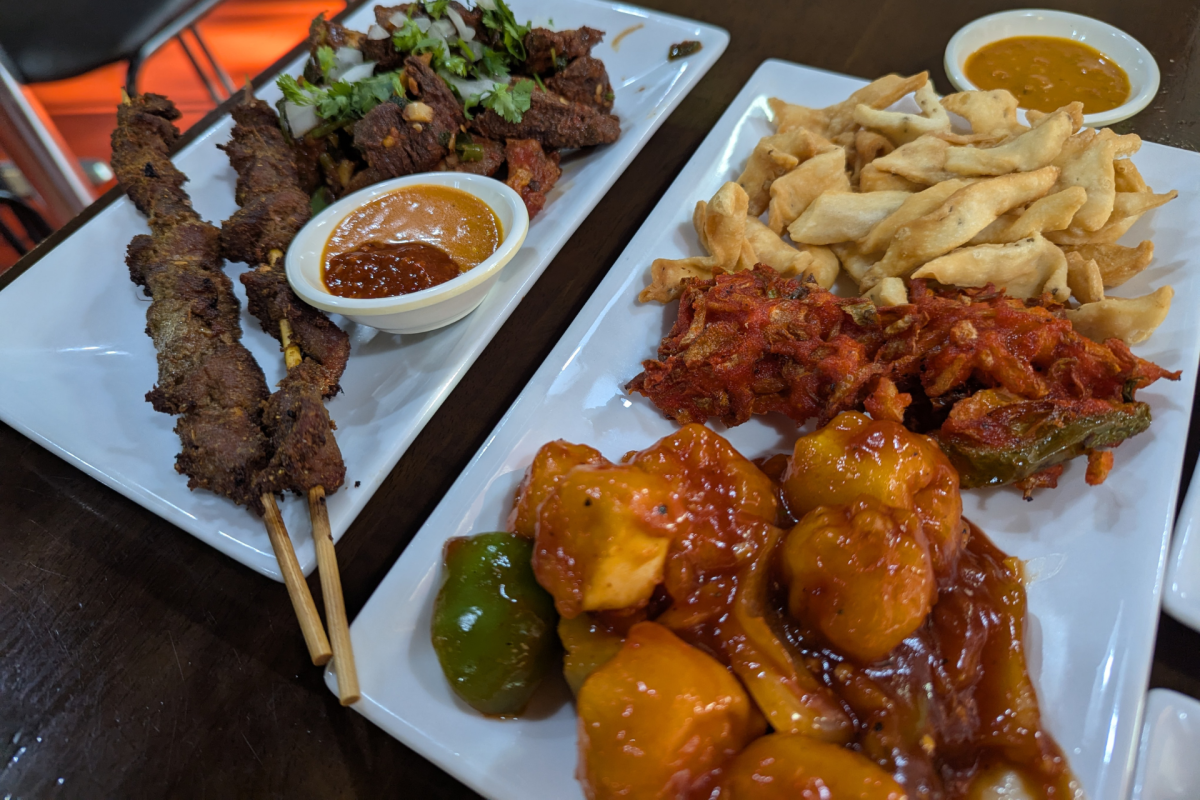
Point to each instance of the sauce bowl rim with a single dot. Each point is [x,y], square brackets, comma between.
[308,246]
[1144,71]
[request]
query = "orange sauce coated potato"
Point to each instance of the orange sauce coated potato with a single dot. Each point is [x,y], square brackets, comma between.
[659,720]
[602,537]
[552,462]
[794,767]
[854,455]
[860,575]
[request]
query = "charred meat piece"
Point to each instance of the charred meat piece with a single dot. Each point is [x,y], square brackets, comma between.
[273,206]
[393,146]
[271,300]
[550,51]
[585,80]
[553,121]
[401,141]
[205,374]
[532,172]
[304,452]
[490,158]
[325,33]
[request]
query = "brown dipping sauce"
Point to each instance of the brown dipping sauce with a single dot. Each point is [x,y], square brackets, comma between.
[1046,73]
[408,240]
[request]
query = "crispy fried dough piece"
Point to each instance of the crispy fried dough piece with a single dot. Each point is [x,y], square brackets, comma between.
[773,157]
[844,216]
[791,194]
[1084,279]
[1116,263]
[868,146]
[838,119]
[1131,320]
[1128,207]
[922,161]
[1127,177]
[856,263]
[888,292]
[873,179]
[721,225]
[964,214]
[770,249]
[1029,151]
[1051,213]
[902,127]
[913,208]
[1024,269]
[1086,160]
[991,113]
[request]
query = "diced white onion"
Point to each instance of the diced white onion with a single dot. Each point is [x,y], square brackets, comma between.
[348,56]
[398,19]
[301,119]
[444,28]
[357,73]
[470,86]
[476,50]
[465,32]
[422,23]
[377,32]
[490,5]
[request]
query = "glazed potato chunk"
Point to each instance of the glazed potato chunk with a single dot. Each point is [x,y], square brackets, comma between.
[854,455]
[790,766]
[603,536]
[551,464]
[860,575]
[657,719]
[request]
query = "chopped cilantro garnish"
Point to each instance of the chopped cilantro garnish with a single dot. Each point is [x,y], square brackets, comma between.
[325,58]
[501,20]
[510,102]
[342,102]
[435,8]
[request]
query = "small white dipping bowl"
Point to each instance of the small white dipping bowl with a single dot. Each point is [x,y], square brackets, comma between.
[1127,52]
[420,311]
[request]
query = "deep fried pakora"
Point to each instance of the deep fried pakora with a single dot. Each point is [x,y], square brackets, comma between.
[1007,387]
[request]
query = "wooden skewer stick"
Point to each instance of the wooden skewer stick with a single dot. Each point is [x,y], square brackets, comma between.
[327,567]
[297,587]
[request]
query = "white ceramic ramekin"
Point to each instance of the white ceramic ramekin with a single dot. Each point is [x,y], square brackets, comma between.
[419,311]
[1122,48]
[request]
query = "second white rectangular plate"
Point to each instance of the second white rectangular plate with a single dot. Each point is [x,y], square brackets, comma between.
[76,360]
[1094,555]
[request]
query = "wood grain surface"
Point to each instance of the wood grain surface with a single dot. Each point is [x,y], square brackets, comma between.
[137,662]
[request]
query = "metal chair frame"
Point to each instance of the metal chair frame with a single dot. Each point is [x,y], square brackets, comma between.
[37,148]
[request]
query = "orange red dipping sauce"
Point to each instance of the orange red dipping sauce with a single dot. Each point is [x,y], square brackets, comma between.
[408,240]
[1046,73]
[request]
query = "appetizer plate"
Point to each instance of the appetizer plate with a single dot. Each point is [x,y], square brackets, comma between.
[77,362]
[1167,767]
[1181,595]
[1095,555]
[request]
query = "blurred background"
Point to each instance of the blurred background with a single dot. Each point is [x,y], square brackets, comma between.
[54,148]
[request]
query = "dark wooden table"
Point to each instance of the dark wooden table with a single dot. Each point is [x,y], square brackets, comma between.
[137,662]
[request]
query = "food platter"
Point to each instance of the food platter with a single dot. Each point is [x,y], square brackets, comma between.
[77,361]
[1094,556]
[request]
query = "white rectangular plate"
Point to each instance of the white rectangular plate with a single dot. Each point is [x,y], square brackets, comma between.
[1095,554]
[76,360]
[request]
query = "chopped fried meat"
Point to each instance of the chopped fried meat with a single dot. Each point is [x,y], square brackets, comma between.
[273,205]
[1022,389]
[549,51]
[326,33]
[585,80]
[304,452]
[271,299]
[394,146]
[205,373]
[554,121]
[488,165]
[532,172]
